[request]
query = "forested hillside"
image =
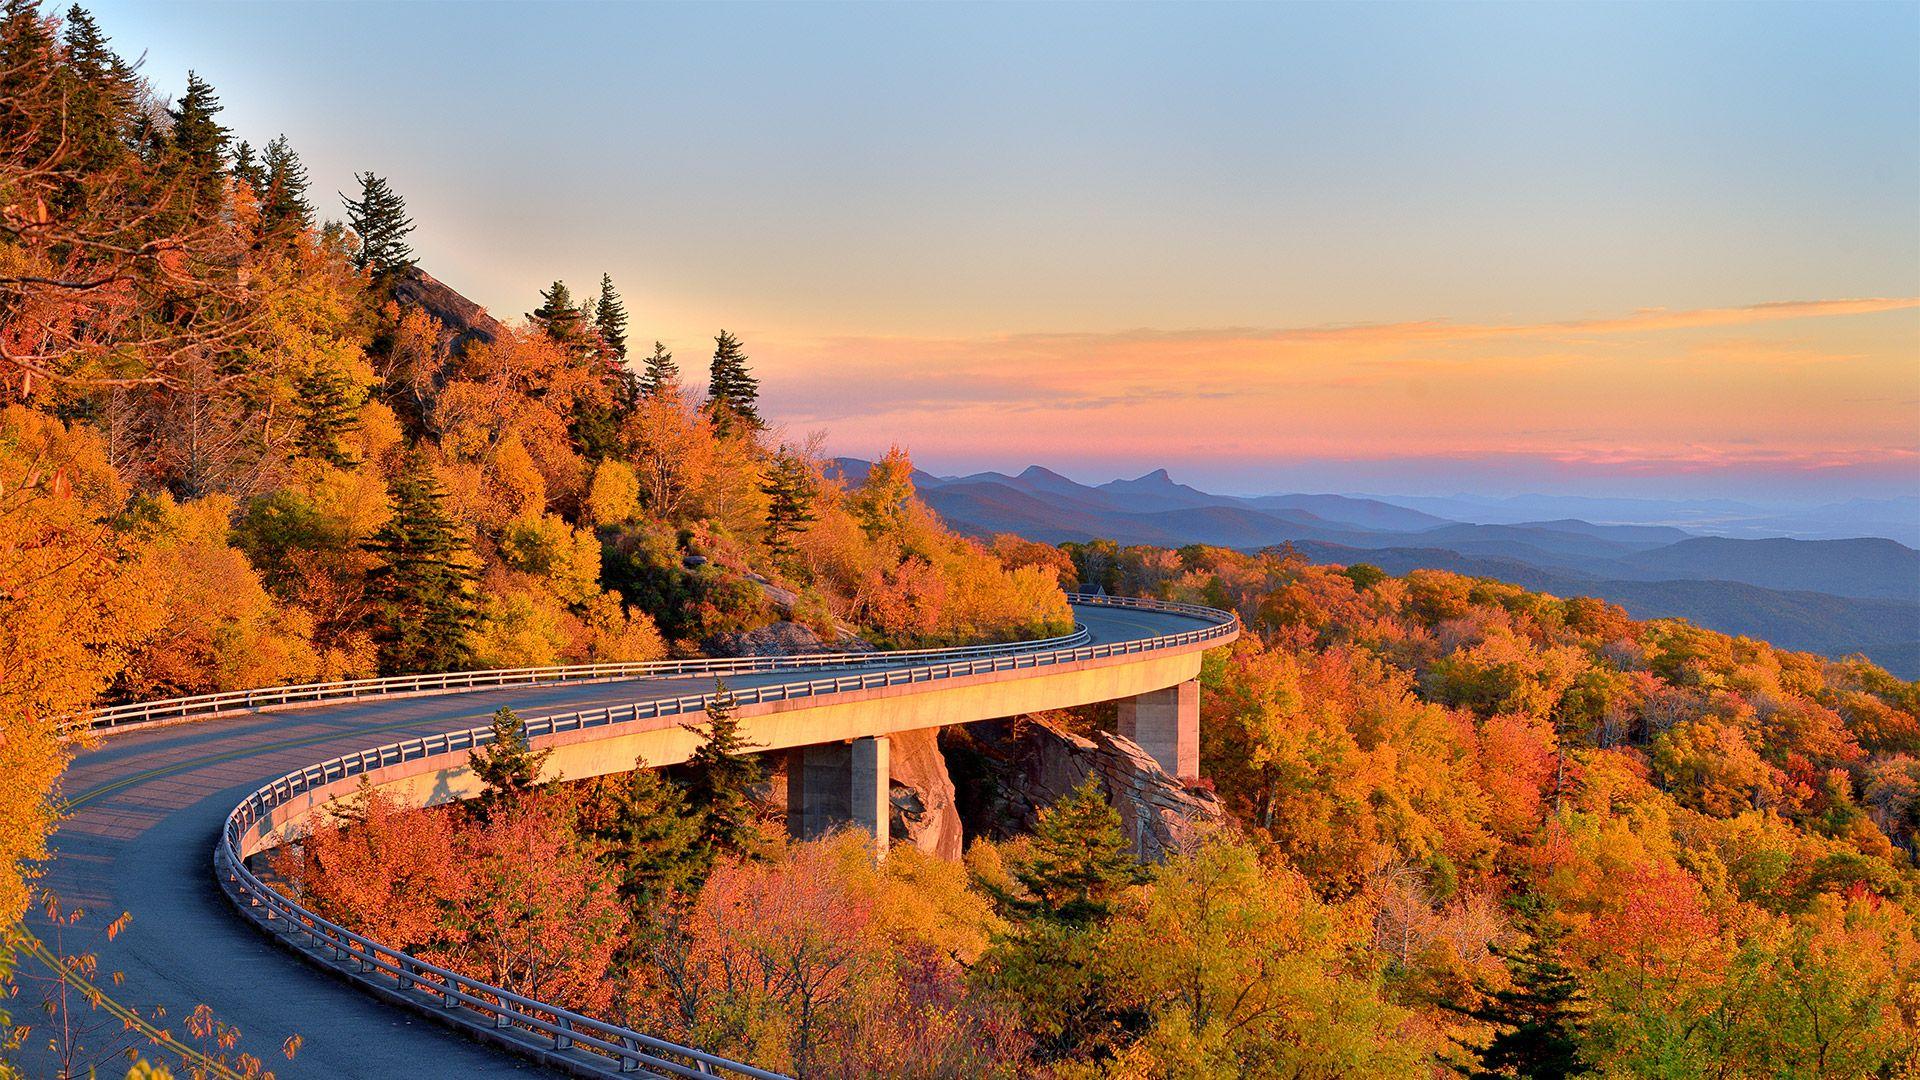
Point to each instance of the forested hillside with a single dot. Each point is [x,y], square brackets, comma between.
[239,447]
[1465,825]
[1460,824]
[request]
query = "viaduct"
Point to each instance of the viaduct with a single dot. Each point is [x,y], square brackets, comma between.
[237,774]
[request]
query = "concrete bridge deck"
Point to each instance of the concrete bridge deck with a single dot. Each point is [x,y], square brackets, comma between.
[149,805]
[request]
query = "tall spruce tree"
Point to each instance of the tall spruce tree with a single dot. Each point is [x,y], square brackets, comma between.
[790,492]
[652,837]
[733,393]
[27,94]
[197,150]
[1050,962]
[379,218]
[508,767]
[325,413]
[102,96]
[720,777]
[610,319]
[562,320]
[422,589]
[283,189]
[1537,1019]
[659,372]
[1080,861]
[248,170]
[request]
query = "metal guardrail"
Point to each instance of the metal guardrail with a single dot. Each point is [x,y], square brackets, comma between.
[119,717]
[622,1049]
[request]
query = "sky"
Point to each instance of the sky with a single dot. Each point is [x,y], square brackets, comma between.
[1666,250]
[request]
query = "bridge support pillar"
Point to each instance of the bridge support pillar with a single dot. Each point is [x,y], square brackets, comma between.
[1166,724]
[835,784]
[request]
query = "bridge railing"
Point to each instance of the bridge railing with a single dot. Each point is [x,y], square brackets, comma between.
[623,1049]
[309,694]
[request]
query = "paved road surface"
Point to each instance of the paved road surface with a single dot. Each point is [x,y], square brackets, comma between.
[148,806]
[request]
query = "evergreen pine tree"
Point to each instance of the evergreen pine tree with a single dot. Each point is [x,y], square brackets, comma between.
[1537,1019]
[659,373]
[423,588]
[565,324]
[509,766]
[197,149]
[789,488]
[110,86]
[732,391]
[610,319]
[26,60]
[1079,862]
[283,189]
[326,415]
[652,837]
[1051,961]
[247,170]
[379,218]
[719,780]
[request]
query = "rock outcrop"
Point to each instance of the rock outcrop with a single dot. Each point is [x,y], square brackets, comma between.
[773,639]
[925,812]
[1009,770]
[462,321]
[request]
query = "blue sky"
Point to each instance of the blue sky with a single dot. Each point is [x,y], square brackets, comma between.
[927,183]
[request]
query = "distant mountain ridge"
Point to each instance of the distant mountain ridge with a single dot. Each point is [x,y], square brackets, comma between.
[1832,596]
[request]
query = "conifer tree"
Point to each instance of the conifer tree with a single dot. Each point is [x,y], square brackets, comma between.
[1072,871]
[720,777]
[1537,1019]
[652,836]
[423,588]
[248,170]
[659,373]
[610,319]
[283,189]
[197,149]
[1080,861]
[563,321]
[379,218]
[732,391]
[326,415]
[26,58]
[509,766]
[102,98]
[104,93]
[790,492]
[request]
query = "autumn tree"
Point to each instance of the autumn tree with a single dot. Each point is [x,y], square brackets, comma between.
[422,589]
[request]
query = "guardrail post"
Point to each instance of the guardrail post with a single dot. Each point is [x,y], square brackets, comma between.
[563,1039]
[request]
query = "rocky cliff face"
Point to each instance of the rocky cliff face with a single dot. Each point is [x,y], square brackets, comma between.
[925,810]
[462,321]
[1009,770]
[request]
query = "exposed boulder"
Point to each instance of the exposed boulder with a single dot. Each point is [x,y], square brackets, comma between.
[461,320]
[773,639]
[1009,770]
[925,812]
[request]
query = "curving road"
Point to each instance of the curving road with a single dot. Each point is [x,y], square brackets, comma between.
[147,806]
